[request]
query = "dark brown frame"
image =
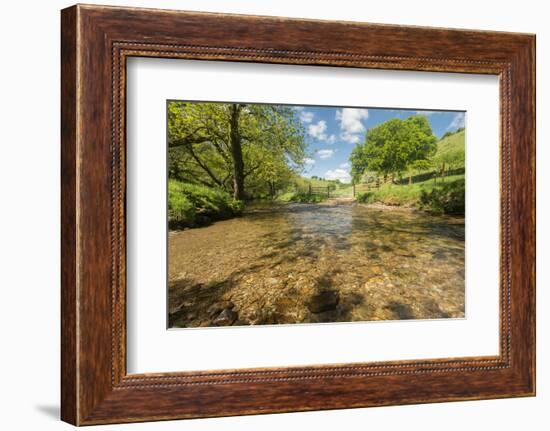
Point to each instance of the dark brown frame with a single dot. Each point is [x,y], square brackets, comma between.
[95,43]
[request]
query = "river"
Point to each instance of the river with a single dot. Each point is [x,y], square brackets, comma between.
[310,263]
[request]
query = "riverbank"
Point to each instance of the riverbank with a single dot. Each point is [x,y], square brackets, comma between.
[444,196]
[191,205]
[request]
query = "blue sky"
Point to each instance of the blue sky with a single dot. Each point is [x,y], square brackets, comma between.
[331,133]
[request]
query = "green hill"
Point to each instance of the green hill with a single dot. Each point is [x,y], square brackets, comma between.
[451,149]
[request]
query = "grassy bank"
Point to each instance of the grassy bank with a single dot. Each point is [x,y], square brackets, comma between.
[191,205]
[301,197]
[441,197]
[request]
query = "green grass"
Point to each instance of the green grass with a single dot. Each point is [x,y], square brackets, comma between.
[451,144]
[191,205]
[446,198]
[406,195]
[302,197]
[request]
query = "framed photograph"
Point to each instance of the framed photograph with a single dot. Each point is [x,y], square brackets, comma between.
[264,215]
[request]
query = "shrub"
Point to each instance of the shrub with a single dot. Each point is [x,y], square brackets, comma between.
[303,197]
[446,198]
[191,204]
[181,210]
[365,198]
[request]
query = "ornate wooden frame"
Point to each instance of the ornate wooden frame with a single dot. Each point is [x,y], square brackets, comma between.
[95,43]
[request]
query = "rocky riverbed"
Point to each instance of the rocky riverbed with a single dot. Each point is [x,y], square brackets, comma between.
[311,263]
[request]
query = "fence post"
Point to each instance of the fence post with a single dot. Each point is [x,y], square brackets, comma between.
[353,185]
[309,190]
[328,192]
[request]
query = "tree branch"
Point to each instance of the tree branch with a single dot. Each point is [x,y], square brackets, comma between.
[204,167]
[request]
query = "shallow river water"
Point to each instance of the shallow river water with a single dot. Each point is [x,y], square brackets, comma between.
[307,263]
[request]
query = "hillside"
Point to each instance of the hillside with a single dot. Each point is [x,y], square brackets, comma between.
[450,146]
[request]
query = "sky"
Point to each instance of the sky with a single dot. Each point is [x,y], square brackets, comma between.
[331,134]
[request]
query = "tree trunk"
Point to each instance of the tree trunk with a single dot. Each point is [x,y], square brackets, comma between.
[236,153]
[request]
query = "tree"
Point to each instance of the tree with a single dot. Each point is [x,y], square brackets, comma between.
[394,147]
[234,146]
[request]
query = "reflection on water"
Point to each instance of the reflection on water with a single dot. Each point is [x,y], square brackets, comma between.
[305,263]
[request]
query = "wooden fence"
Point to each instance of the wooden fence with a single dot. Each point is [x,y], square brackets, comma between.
[375,184]
[321,190]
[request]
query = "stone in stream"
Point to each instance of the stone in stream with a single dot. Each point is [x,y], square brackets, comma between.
[225,318]
[323,301]
[403,311]
[217,307]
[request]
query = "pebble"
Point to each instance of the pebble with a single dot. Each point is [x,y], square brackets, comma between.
[217,307]
[225,318]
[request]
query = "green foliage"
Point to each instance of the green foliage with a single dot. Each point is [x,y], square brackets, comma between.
[446,198]
[202,140]
[190,204]
[302,197]
[443,196]
[365,197]
[181,211]
[393,147]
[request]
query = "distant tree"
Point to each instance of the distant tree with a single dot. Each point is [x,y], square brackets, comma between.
[394,147]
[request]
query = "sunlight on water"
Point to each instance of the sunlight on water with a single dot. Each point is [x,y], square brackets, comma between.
[307,263]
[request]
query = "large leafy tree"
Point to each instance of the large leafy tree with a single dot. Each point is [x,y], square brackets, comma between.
[394,147]
[234,146]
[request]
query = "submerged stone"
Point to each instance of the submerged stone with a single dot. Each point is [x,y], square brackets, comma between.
[217,307]
[225,318]
[323,301]
[403,311]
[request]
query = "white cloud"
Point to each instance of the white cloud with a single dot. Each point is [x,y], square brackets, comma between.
[325,154]
[318,130]
[351,123]
[338,174]
[306,116]
[458,122]
[348,137]
[344,165]
[331,139]
[350,119]
[309,162]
